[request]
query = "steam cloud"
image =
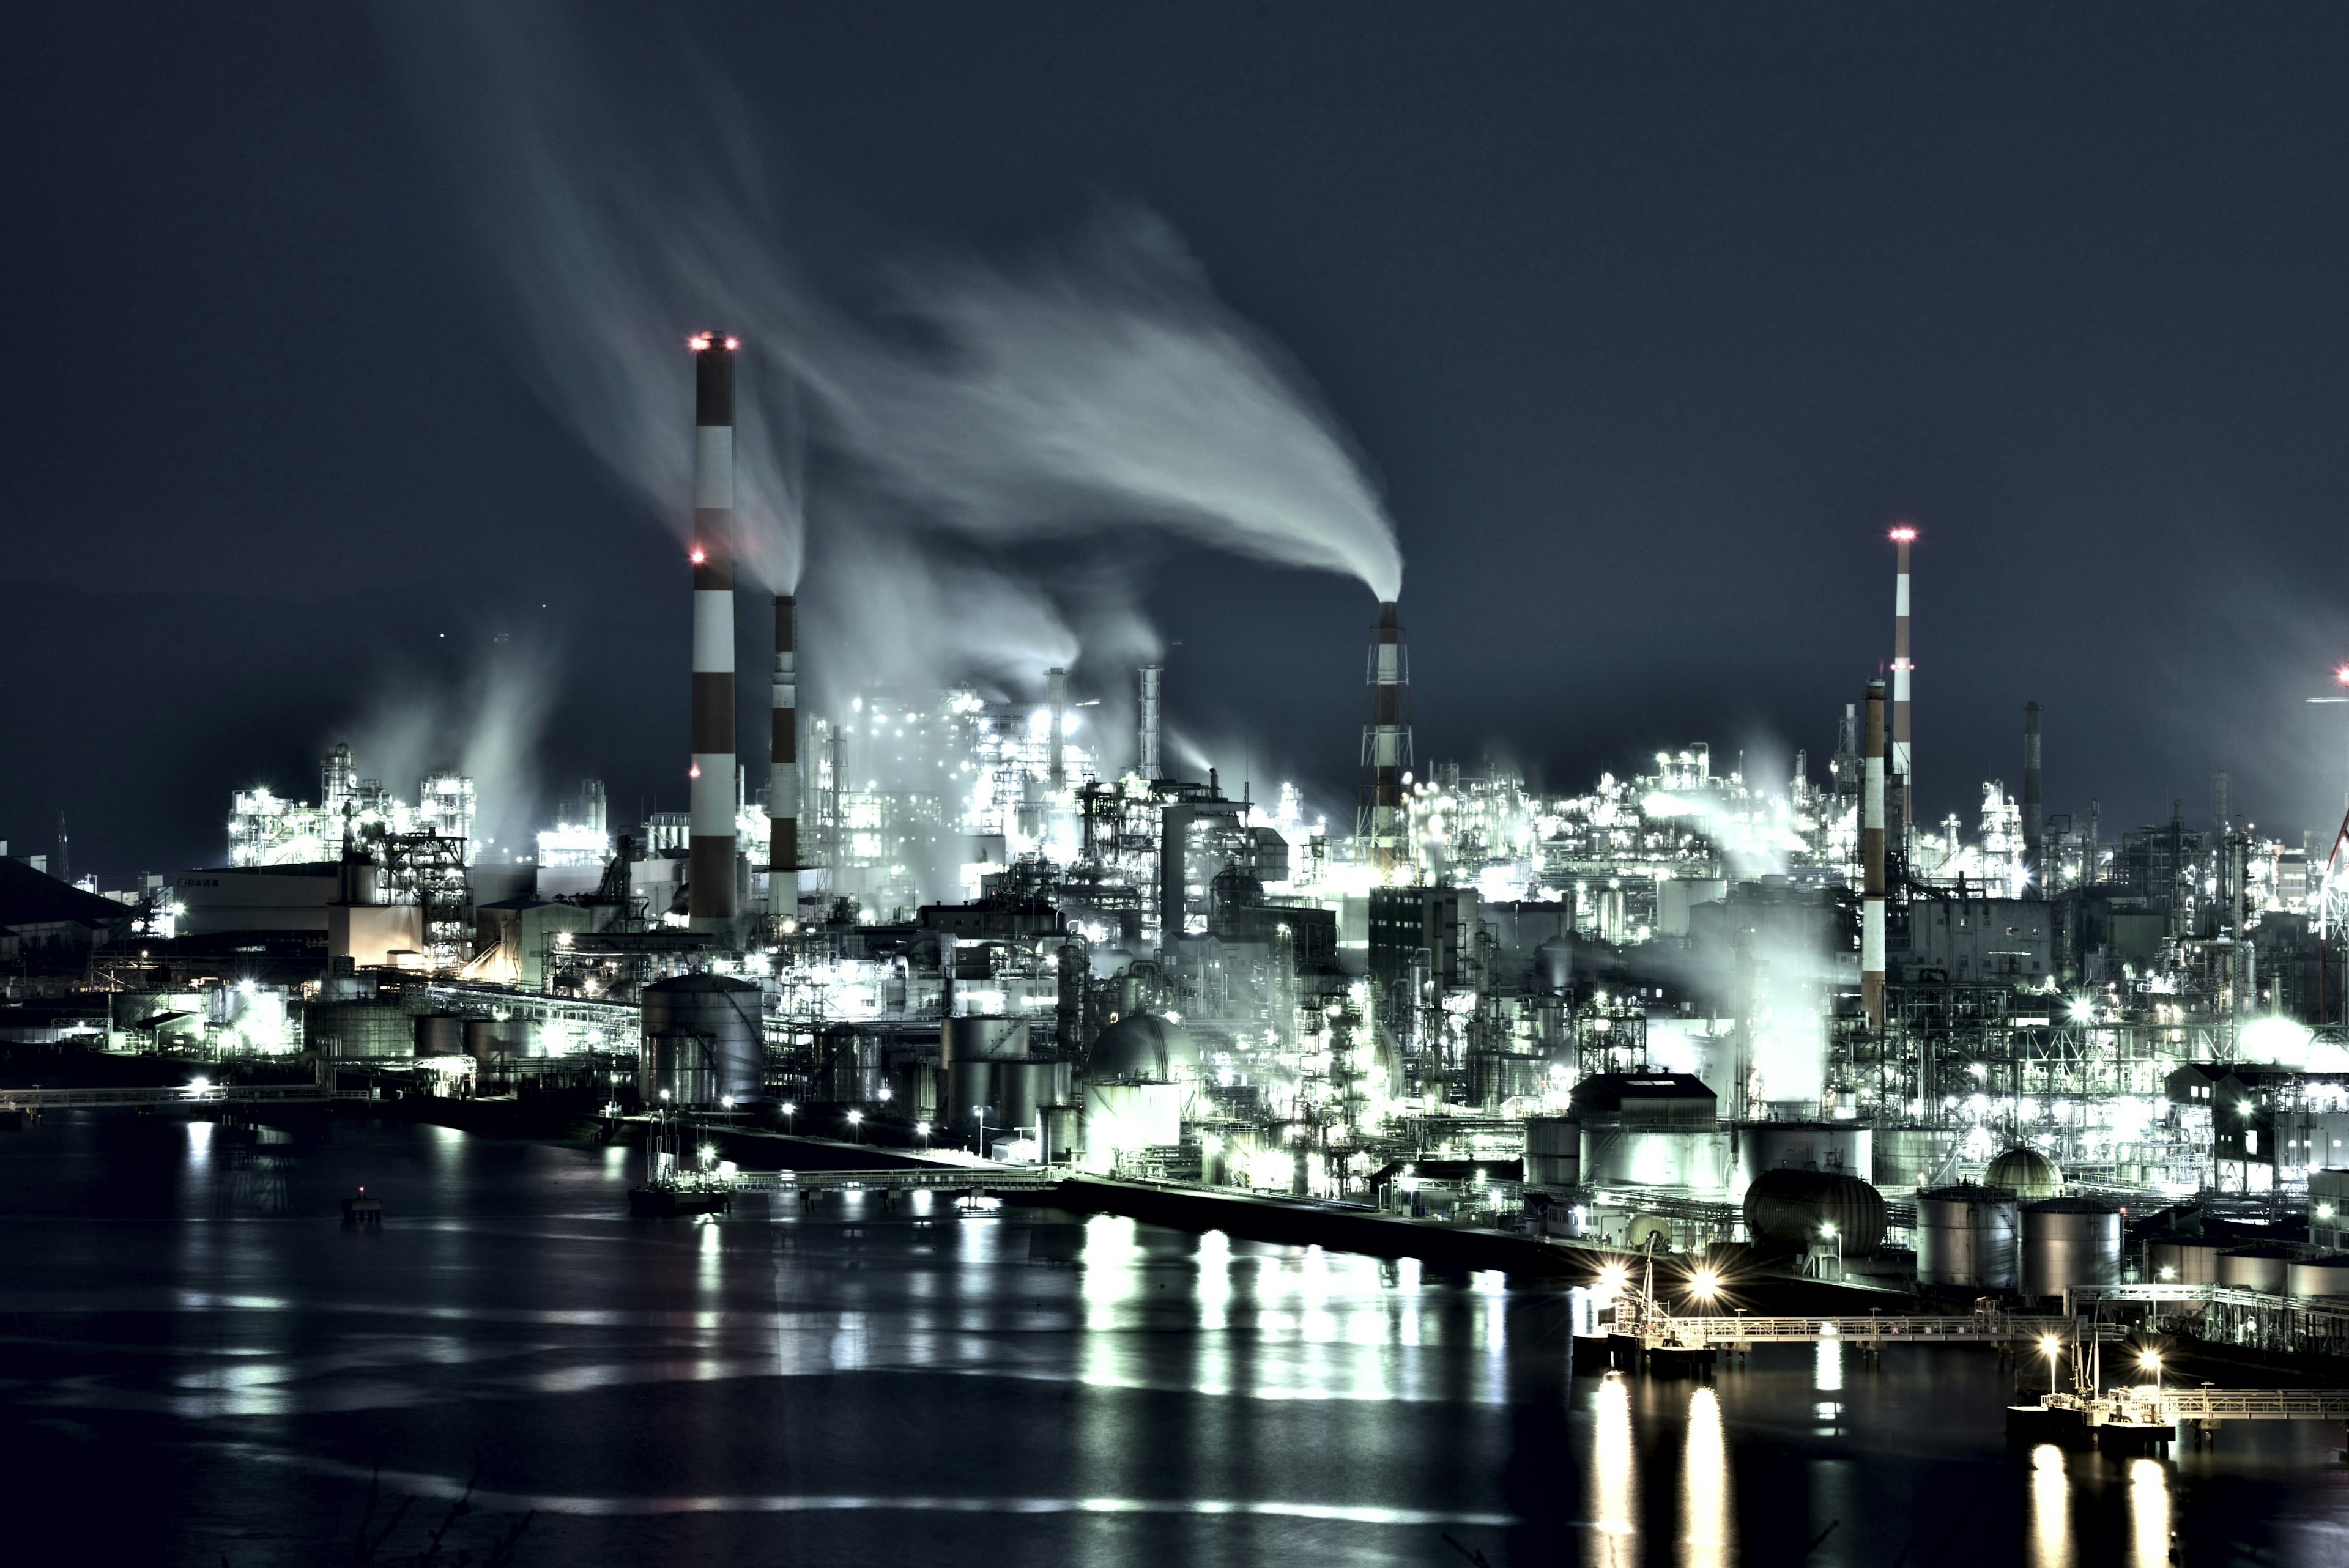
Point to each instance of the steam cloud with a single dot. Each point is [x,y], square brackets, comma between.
[1103,385]
[487,725]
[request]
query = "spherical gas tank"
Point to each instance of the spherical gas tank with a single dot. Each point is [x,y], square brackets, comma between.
[1814,1209]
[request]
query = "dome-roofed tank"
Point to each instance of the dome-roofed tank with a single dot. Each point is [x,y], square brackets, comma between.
[2027,1173]
[1797,1208]
[1142,1048]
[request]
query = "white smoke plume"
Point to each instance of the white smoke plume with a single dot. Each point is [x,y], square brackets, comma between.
[486,724]
[1101,387]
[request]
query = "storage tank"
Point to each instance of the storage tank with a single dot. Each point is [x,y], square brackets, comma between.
[2027,1173]
[2319,1276]
[1553,1152]
[704,1040]
[1909,1157]
[2070,1243]
[982,1037]
[1966,1237]
[2262,1267]
[1124,1119]
[481,1039]
[1696,1158]
[346,1030]
[439,1035]
[1839,1146]
[1797,1208]
[2182,1263]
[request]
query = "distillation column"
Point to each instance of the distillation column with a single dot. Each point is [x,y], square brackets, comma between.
[783,769]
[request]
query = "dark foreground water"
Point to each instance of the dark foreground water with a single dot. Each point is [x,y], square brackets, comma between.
[198,1364]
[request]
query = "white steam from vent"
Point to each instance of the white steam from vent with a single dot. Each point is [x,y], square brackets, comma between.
[1098,385]
[487,725]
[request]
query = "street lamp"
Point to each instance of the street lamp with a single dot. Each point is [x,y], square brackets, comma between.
[855,1122]
[789,1110]
[979,1112]
[922,1130]
[1704,1284]
[2150,1361]
[2051,1347]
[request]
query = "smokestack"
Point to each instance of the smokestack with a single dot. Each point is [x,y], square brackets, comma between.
[1148,762]
[1056,698]
[2222,807]
[1871,860]
[710,850]
[2035,824]
[783,770]
[1386,745]
[1898,761]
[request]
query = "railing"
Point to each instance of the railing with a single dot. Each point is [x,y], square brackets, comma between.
[2256,1404]
[178,1094]
[1942,1329]
[968,1179]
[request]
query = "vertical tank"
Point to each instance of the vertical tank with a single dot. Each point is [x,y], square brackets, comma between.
[481,1040]
[1907,1158]
[1842,1147]
[2182,1263]
[2319,1277]
[1553,1152]
[704,1040]
[1966,1238]
[2070,1243]
[439,1035]
[2265,1268]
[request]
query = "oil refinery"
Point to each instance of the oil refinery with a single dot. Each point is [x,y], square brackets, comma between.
[1688,1008]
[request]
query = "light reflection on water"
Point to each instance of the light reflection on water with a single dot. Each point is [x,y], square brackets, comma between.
[847,1360]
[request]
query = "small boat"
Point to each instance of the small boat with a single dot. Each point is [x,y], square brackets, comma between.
[669,1199]
[362,1210]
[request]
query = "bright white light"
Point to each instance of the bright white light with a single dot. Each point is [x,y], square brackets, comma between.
[2280,1041]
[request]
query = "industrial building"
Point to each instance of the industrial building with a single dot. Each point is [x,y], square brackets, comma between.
[1685,1003]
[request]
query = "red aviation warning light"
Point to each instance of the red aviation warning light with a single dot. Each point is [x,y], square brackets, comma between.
[2341,676]
[699,557]
[699,341]
[694,771]
[1905,533]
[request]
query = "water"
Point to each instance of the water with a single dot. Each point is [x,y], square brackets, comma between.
[199,1364]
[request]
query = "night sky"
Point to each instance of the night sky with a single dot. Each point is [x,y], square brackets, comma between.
[1650,319]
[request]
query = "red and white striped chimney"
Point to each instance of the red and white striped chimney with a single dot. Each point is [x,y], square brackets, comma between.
[709,899]
[783,771]
[1871,862]
[1903,537]
[1386,745]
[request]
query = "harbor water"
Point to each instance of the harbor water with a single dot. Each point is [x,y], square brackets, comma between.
[201,1363]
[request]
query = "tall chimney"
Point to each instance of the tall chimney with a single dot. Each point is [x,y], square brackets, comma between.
[1386,745]
[1900,762]
[1871,860]
[710,850]
[2034,820]
[783,770]
[1056,698]
[1148,763]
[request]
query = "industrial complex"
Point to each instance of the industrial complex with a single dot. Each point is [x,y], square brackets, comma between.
[1708,1015]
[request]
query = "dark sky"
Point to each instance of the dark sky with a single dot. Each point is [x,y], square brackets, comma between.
[1651,319]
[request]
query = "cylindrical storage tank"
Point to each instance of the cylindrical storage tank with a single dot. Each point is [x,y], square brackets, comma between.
[977,1039]
[1966,1238]
[1694,1158]
[346,1030]
[1798,1208]
[1553,1152]
[481,1041]
[678,1067]
[1844,1147]
[2070,1243]
[1064,1135]
[2026,1172]
[439,1035]
[714,1024]
[2319,1276]
[1905,1158]
[1023,1091]
[2266,1268]
[2182,1263]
